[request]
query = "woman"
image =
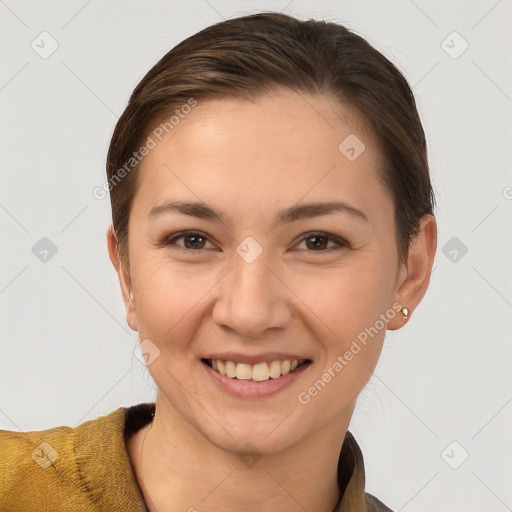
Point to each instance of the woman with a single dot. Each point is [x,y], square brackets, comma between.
[272,217]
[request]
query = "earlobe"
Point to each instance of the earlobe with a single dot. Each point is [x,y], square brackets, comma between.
[418,269]
[131,312]
[124,278]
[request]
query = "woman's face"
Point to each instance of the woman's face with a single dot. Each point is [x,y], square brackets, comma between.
[267,277]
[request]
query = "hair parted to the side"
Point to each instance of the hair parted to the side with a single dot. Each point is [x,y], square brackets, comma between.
[260,53]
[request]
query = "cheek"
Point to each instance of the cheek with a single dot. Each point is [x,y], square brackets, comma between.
[168,296]
[350,304]
[350,297]
[355,304]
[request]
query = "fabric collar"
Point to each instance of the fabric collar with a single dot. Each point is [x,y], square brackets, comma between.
[111,468]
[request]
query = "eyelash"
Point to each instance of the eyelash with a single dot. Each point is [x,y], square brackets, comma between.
[342,244]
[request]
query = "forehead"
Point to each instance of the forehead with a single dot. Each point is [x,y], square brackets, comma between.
[284,145]
[289,115]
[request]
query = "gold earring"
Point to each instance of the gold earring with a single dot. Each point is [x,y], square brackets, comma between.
[405,312]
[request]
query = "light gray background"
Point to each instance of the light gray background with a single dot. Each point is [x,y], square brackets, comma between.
[67,354]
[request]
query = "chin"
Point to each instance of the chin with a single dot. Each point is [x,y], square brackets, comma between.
[249,441]
[243,432]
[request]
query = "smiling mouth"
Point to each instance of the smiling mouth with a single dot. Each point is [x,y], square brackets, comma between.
[256,372]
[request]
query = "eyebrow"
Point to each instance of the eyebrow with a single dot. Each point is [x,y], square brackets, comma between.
[294,213]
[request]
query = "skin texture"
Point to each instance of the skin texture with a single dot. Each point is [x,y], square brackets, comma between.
[250,159]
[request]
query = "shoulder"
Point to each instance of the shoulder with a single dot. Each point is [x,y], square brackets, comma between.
[43,470]
[375,505]
[351,477]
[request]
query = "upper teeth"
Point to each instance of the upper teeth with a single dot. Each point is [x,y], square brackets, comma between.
[258,372]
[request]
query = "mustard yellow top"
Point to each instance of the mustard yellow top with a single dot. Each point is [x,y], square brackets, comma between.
[87,468]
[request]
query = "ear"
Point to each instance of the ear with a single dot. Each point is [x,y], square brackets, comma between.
[414,275]
[124,278]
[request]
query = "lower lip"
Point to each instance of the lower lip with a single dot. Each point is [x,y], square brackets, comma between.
[253,389]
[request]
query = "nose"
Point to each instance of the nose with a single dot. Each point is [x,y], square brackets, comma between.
[252,299]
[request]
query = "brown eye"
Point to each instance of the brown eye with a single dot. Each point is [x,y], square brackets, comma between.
[318,242]
[194,241]
[191,240]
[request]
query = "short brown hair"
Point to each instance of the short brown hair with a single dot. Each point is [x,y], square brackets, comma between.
[259,53]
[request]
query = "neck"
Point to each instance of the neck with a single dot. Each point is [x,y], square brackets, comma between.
[196,475]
